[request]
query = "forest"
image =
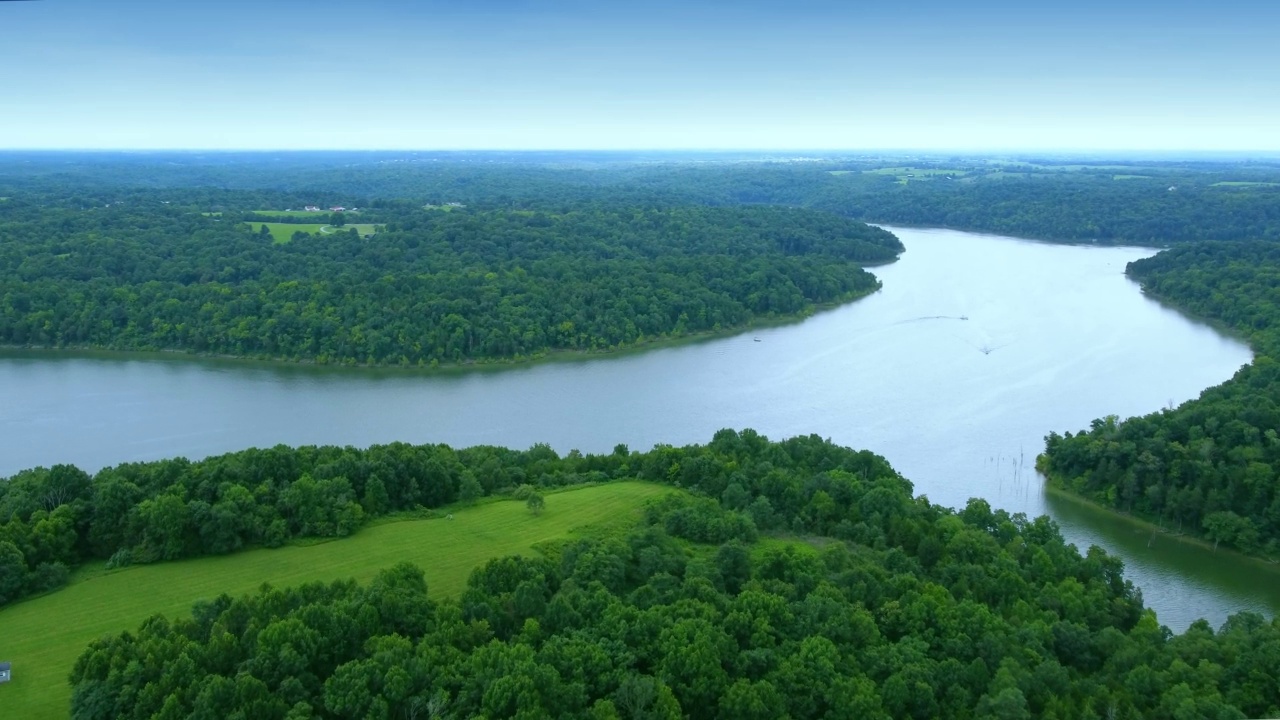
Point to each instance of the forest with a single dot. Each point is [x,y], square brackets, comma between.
[509,258]
[1209,467]
[432,287]
[1153,202]
[789,579]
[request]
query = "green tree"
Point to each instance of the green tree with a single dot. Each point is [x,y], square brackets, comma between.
[469,489]
[536,504]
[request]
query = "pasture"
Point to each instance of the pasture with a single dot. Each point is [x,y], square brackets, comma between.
[297,213]
[44,636]
[283,232]
[910,174]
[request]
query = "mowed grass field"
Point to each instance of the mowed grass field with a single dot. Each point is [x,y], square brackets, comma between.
[283,232]
[297,213]
[44,636]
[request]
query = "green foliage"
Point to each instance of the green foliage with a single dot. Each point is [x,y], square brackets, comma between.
[430,288]
[1008,621]
[46,634]
[1208,467]
[536,503]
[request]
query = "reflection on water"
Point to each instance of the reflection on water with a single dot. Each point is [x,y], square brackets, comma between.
[976,348]
[1169,565]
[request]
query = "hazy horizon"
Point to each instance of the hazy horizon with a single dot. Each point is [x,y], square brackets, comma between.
[814,76]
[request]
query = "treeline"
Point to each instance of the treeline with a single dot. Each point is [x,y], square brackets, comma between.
[1075,207]
[1155,202]
[55,519]
[432,287]
[1210,466]
[904,610]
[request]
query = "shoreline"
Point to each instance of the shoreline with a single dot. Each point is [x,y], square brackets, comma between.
[1052,485]
[466,366]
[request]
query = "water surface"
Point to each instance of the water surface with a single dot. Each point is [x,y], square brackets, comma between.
[976,347]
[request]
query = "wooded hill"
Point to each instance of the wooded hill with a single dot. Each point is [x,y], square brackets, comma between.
[431,287]
[898,609]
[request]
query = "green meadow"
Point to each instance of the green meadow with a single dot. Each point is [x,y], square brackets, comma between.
[907,174]
[918,172]
[283,232]
[296,213]
[1244,183]
[43,636]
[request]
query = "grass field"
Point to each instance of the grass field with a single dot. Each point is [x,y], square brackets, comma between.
[283,232]
[297,213]
[1130,177]
[44,636]
[906,174]
[1244,183]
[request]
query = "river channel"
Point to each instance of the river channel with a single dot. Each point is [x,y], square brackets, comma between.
[976,347]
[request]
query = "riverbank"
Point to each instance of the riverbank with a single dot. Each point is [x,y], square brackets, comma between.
[1054,486]
[1086,343]
[465,366]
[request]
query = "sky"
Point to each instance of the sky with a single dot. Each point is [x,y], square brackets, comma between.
[963,75]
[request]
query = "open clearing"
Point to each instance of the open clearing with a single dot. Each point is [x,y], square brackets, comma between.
[44,636]
[908,174]
[1244,183]
[283,232]
[297,213]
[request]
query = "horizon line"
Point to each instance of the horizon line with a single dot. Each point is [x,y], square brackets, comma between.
[820,150]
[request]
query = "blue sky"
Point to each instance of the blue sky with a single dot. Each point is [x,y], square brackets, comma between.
[700,74]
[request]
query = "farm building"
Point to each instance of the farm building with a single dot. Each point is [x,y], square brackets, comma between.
[4,672]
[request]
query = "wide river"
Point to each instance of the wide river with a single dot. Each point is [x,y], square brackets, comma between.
[976,348]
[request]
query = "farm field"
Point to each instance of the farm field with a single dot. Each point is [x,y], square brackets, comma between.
[283,232]
[903,174]
[918,172]
[44,636]
[297,213]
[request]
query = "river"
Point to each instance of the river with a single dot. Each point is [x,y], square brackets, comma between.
[976,348]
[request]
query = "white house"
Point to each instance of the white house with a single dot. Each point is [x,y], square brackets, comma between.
[4,672]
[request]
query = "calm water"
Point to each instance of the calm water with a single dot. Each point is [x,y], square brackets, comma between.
[1054,337]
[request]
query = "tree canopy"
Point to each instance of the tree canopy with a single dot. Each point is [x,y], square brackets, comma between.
[430,287]
[902,609]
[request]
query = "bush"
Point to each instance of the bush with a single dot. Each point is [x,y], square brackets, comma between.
[122,558]
[47,576]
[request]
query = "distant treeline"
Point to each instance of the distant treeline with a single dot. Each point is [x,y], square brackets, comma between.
[1211,466]
[430,287]
[899,609]
[1152,203]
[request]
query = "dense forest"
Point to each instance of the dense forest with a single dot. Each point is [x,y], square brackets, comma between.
[891,607]
[509,257]
[1210,466]
[431,287]
[1130,201]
